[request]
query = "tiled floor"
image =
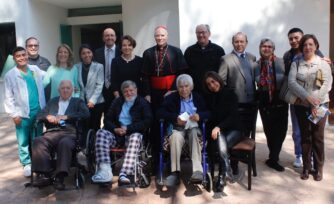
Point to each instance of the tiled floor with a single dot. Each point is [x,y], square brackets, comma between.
[268,187]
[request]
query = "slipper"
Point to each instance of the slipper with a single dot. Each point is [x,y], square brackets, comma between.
[123,180]
[102,177]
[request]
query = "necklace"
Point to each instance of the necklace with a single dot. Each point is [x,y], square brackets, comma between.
[158,66]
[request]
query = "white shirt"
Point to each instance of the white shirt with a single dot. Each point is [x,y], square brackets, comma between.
[62,105]
[112,54]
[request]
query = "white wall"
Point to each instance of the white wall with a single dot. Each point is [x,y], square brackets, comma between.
[35,18]
[258,19]
[141,17]
[44,23]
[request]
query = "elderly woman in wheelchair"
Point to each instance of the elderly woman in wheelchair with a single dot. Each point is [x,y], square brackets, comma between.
[184,109]
[127,120]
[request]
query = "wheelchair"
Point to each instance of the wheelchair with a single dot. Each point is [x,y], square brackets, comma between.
[207,182]
[79,169]
[142,174]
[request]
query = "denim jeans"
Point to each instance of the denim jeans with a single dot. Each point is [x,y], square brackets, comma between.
[295,132]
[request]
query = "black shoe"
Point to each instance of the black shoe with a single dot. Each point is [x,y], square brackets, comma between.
[42,180]
[59,183]
[235,169]
[274,165]
[172,180]
[221,183]
[197,177]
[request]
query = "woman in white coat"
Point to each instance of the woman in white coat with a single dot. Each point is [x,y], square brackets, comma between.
[90,79]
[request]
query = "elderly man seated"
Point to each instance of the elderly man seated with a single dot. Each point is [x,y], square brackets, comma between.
[59,116]
[128,117]
[184,109]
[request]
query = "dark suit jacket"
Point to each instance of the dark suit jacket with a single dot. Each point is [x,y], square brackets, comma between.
[170,108]
[140,112]
[233,74]
[76,109]
[99,57]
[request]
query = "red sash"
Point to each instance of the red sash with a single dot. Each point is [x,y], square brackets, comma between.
[162,82]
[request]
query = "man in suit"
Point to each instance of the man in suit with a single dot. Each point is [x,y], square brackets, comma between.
[203,56]
[59,116]
[105,55]
[237,72]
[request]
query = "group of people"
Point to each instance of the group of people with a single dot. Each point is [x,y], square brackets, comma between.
[133,93]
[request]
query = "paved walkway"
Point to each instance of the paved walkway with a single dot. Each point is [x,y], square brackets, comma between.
[268,187]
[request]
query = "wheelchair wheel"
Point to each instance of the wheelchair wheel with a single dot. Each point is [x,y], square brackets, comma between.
[144,181]
[208,184]
[79,179]
[90,151]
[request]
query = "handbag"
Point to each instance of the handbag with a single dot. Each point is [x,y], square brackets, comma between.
[285,93]
[318,79]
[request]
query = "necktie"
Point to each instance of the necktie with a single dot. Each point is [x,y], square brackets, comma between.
[108,68]
[242,56]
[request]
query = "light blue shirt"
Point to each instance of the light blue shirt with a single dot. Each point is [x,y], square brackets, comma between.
[187,105]
[125,117]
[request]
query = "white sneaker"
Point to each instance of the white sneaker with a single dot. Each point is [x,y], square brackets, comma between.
[298,163]
[27,170]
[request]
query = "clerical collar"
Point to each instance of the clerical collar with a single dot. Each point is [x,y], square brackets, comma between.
[205,46]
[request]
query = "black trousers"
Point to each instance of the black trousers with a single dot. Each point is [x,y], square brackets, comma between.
[275,125]
[157,97]
[94,121]
[248,114]
[312,138]
[108,98]
[60,142]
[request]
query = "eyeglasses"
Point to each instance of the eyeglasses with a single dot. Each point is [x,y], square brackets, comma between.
[33,45]
[267,46]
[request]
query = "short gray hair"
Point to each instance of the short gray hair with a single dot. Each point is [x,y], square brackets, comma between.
[264,40]
[239,33]
[184,78]
[204,25]
[64,82]
[127,84]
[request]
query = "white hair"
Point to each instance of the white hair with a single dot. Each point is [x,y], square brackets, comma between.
[184,78]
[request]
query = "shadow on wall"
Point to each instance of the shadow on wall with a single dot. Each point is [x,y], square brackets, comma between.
[260,19]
